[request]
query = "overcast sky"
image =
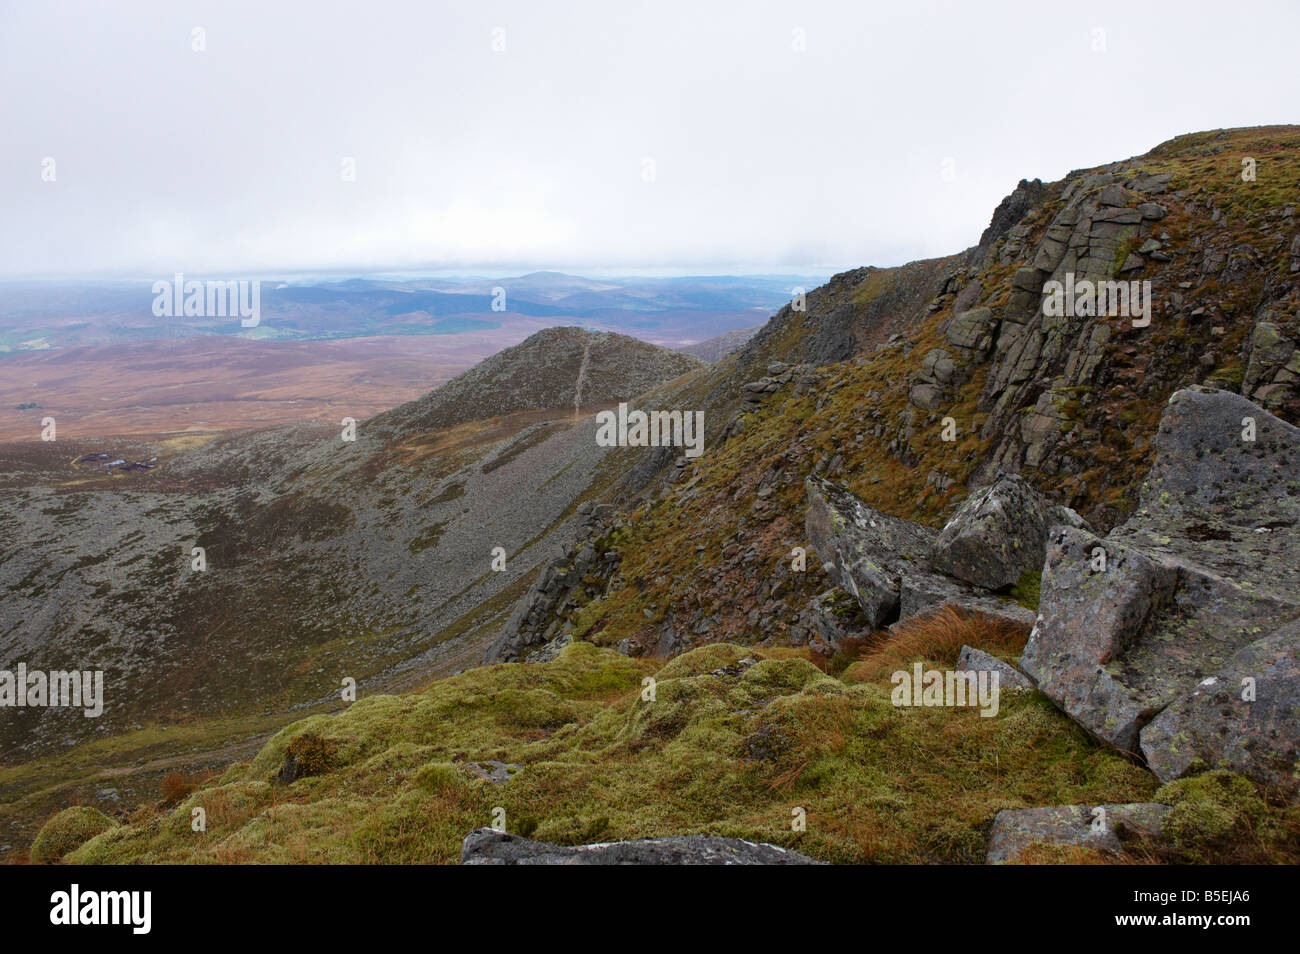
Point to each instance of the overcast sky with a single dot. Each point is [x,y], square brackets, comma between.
[605,136]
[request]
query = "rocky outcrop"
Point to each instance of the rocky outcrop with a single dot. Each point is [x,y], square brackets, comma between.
[487,846]
[1103,828]
[831,619]
[1272,366]
[1202,583]
[881,560]
[536,626]
[998,534]
[779,375]
[1011,210]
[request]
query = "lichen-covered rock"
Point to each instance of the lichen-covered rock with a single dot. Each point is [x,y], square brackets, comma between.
[997,534]
[1245,718]
[1103,828]
[865,552]
[1086,618]
[832,618]
[486,846]
[971,332]
[881,561]
[1208,565]
[923,592]
[976,660]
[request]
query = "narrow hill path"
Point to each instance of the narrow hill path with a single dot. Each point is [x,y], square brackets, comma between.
[582,376]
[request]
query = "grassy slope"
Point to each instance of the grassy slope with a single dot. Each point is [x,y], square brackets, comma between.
[729,754]
[724,748]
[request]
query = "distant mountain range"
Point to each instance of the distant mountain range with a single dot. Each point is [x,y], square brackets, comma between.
[667,311]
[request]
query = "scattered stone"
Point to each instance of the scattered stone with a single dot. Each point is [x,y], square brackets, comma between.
[976,660]
[498,773]
[1015,830]
[486,846]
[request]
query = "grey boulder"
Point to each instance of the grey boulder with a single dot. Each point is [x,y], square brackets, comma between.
[976,660]
[1244,718]
[1208,565]
[487,846]
[1103,828]
[865,552]
[998,533]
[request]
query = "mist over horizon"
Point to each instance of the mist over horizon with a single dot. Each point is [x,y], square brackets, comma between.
[752,137]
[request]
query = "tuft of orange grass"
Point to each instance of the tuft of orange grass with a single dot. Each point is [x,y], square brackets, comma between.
[177,786]
[937,636]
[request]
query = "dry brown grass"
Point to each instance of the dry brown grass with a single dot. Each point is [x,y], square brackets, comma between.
[177,786]
[938,637]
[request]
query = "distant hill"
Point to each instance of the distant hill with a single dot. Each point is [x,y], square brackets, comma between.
[558,368]
[718,347]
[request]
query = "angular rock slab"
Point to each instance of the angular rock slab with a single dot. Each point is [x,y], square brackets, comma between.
[997,534]
[1014,830]
[976,660]
[486,846]
[1219,725]
[1208,564]
[865,552]
[924,592]
[880,560]
[1086,619]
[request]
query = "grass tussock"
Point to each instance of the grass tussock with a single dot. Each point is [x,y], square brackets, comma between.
[937,638]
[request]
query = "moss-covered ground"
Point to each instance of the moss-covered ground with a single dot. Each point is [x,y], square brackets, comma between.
[727,740]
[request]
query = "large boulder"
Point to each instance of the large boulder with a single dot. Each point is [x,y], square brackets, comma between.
[1104,828]
[865,552]
[487,846]
[1208,565]
[881,561]
[1244,718]
[998,534]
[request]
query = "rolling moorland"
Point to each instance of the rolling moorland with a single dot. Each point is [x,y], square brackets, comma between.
[949,457]
[95,357]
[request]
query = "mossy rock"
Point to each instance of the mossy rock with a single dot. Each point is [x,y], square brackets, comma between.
[703,660]
[309,754]
[1210,811]
[69,829]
